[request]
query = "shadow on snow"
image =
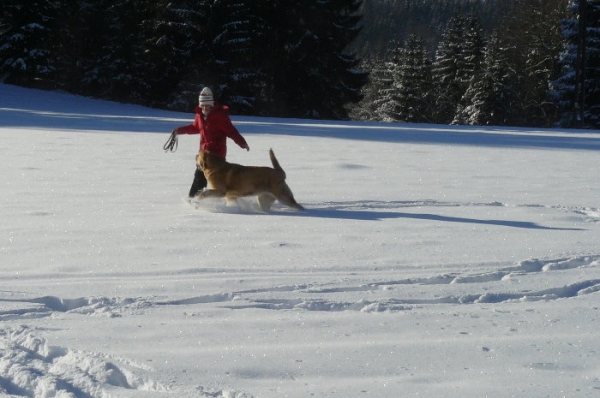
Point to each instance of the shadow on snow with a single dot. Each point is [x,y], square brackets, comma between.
[371,215]
[20,107]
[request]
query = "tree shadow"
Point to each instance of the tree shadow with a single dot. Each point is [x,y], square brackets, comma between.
[420,133]
[20,107]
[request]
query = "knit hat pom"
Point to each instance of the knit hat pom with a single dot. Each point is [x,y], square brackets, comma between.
[206,97]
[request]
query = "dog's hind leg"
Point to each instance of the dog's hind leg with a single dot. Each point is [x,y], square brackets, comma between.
[287,198]
[265,200]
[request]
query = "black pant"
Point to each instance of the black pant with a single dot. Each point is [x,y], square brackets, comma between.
[199,183]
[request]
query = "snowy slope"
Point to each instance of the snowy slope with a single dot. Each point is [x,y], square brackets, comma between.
[432,261]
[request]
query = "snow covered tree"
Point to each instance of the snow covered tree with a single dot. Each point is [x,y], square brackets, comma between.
[592,74]
[115,70]
[469,61]
[27,44]
[387,105]
[577,90]
[371,92]
[407,96]
[174,42]
[490,96]
[456,60]
[530,33]
[308,71]
[241,33]
[70,49]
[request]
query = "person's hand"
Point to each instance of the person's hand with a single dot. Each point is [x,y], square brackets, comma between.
[246,147]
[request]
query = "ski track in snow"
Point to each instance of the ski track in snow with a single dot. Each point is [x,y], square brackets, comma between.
[314,297]
[31,367]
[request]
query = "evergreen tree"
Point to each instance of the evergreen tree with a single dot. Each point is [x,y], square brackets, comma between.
[117,70]
[240,33]
[468,70]
[592,113]
[578,101]
[96,29]
[531,35]
[409,99]
[173,48]
[490,95]
[387,103]
[70,49]
[27,43]
[368,107]
[449,70]
[310,73]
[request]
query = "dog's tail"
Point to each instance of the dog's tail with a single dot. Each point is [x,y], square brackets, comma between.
[275,163]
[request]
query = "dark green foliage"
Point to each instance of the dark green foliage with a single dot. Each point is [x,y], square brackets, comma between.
[273,57]
[489,98]
[407,97]
[300,58]
[484,78]
[577,90]
[312,75]
[28,55]
[449,70]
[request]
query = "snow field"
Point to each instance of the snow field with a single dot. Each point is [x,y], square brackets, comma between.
[431,260]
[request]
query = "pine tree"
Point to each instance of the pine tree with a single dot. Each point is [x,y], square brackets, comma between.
[116,68]
[309,72]
[368,107]
[240,33]
[470,60]
[412,83]
[449,70]
[27,43]
[387,103]
[578,100]
[490,95]
[531,35]
[173,45]
[70,48]
[592,110]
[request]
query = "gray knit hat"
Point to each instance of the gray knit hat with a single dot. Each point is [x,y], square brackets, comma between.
[206,97]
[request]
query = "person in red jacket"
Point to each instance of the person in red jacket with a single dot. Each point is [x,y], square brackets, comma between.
[213,124]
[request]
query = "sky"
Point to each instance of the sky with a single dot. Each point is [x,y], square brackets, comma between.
[431,260]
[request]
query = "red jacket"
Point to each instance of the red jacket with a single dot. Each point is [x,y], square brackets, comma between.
[214,130]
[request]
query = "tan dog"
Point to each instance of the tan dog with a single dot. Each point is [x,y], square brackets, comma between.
[232,181]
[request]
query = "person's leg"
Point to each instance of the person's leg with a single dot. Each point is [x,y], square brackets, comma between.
[199,183]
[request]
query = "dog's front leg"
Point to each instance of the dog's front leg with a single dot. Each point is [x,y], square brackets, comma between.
[210,193]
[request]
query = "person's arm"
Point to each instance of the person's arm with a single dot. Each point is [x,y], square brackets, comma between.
[233,133]
[188,129]
[193,128]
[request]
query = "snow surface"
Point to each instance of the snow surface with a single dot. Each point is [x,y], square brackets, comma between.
[432,261]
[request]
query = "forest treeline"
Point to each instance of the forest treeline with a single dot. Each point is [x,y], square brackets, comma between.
[534,63]
[483,62]
[268,57]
